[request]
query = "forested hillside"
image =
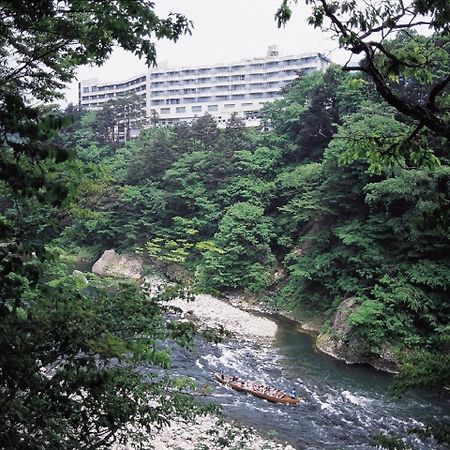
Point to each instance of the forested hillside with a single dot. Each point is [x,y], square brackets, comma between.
[339,202]
[314,208]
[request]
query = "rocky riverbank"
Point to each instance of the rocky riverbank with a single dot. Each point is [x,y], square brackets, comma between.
[211,433]
[219,313]
[234,314]
[340,341]
[205,432]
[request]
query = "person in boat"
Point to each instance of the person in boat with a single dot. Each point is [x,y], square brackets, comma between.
[293,393]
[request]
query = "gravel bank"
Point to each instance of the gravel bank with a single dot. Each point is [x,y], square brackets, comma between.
[211,433]
[214,312]
[207,433]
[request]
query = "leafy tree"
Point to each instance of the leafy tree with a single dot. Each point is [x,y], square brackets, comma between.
[363,29]
[188,194]
[136,215]
[243,236]
[69,350]
[204,133]
[235,136]
[375,134]
[422,370]
[312,108]
[155,155]
[71,361]
[118,117]
[299,197]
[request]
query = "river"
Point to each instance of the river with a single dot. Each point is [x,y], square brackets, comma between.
[343,406]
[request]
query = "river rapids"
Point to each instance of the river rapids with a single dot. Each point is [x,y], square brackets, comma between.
[342,406]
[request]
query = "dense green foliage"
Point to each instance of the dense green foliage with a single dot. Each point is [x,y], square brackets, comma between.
[81,359]
[311,211]
[342,193]
[411,73]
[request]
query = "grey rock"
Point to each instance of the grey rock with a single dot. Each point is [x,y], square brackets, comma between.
[343,343]
[112,264]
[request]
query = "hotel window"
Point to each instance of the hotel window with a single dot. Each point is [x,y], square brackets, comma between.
[180,109]
[213,107]
[246,105]
[86,89]
[230,105]
[196,109]
[165,110]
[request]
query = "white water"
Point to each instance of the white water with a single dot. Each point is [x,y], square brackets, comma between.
[343,406]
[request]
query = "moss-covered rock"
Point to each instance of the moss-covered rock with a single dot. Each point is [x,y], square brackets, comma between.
[342,342]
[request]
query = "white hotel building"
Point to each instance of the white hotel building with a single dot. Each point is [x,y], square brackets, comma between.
[181,94]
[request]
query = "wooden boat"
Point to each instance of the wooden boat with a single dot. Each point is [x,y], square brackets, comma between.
[239,386]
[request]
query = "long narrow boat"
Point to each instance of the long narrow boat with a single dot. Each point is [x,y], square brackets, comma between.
[239,386]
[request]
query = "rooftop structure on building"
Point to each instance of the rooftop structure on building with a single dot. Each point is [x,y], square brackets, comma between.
[172,95]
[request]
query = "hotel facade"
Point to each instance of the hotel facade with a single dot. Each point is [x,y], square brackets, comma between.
[172,95]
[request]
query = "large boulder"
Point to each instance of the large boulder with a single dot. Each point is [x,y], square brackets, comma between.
[342,342]
[114,265]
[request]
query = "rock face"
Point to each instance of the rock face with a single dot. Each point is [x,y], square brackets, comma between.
[112,264]
[343,343]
